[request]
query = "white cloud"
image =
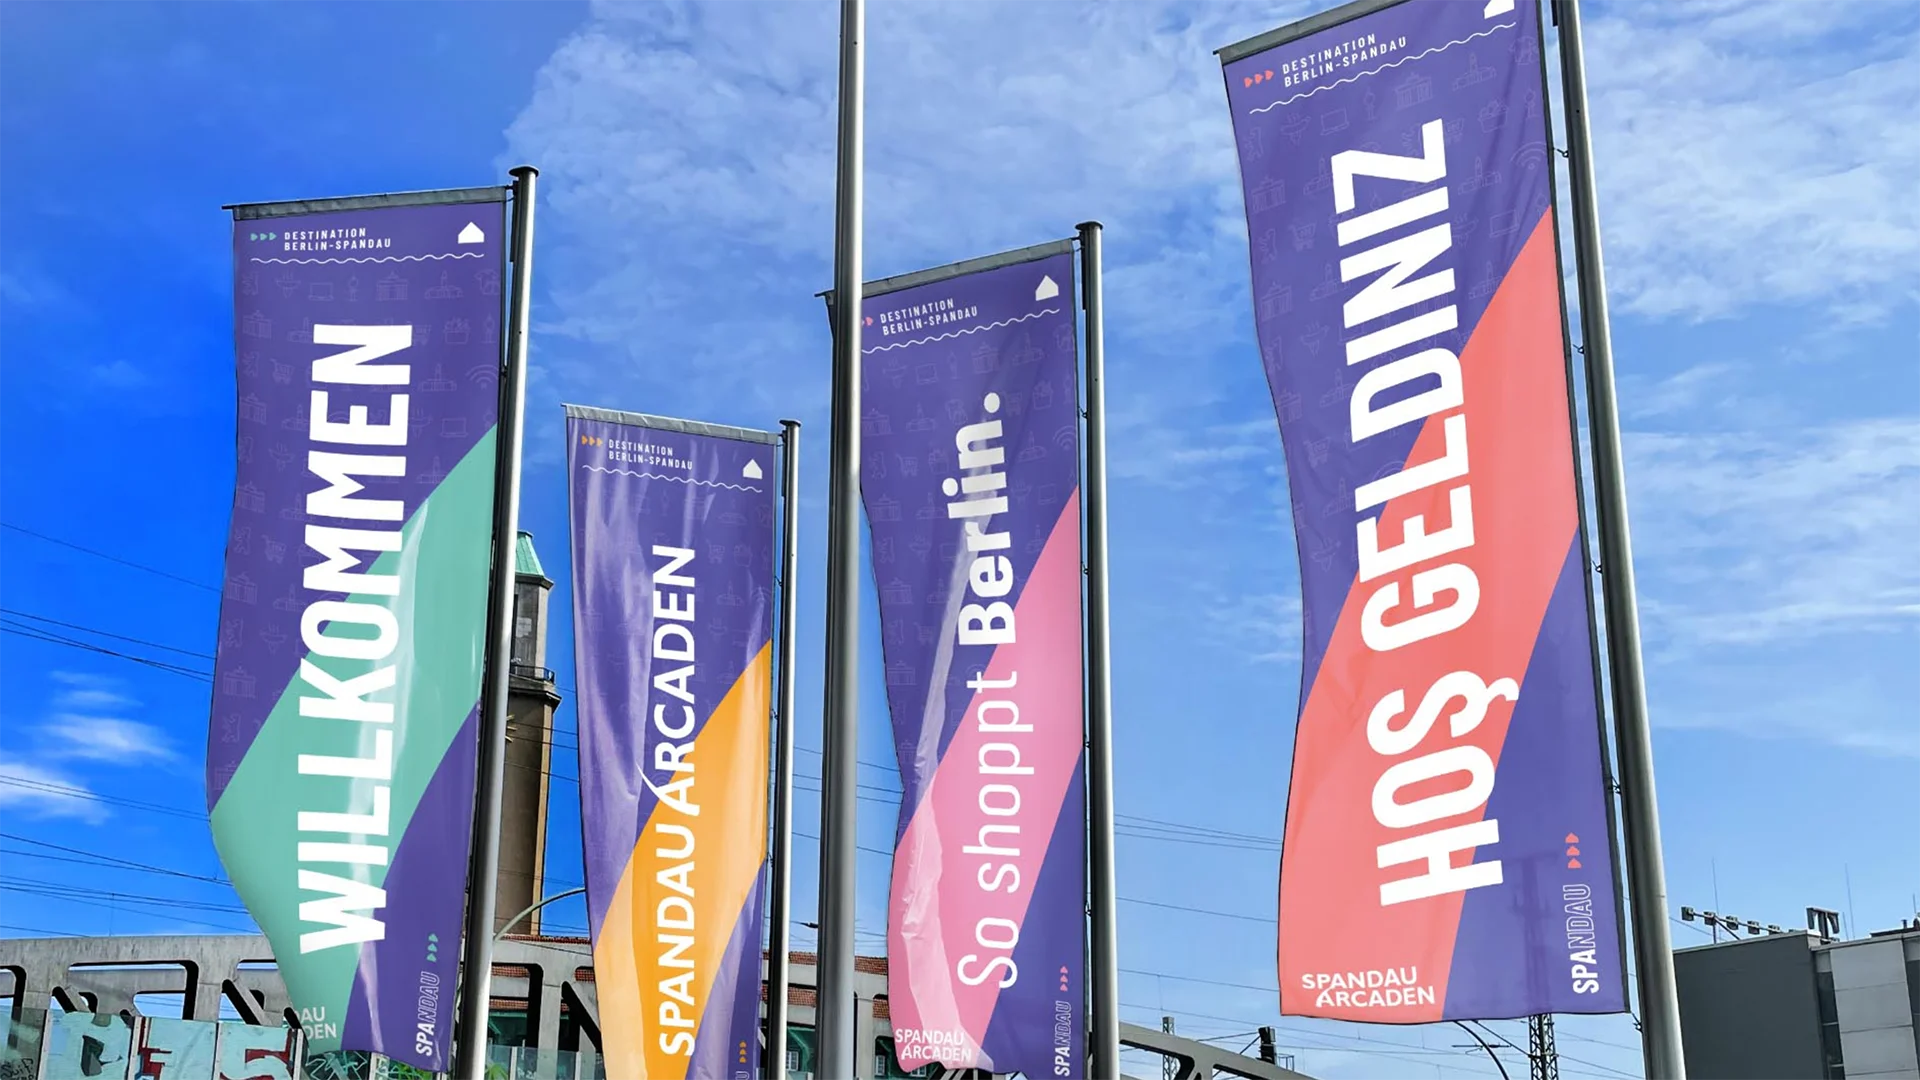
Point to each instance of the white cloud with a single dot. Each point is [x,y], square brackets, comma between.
[119,375]
[689,156]
[89,724]
[84,691]
[1681,393]
[1750,537]
[1751,153]
[1751,156]
[690,162]
[1262,627]
[981,128]
[46,793]
[106,739]
[28,288]
[1146,448]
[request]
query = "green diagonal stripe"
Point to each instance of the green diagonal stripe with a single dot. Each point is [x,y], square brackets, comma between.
[441,611]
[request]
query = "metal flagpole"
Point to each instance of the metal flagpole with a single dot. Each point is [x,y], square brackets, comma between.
[834,981]
[1104,982]
[476,990]
[1646,873]
[781,871]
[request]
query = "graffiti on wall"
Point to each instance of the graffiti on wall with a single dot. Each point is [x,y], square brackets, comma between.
[80,1046]
[85,1046]
[20,1044]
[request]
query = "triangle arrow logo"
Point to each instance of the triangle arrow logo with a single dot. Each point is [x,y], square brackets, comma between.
[1573,864]
[1572,839]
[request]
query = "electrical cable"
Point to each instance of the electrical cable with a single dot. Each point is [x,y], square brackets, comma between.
[35,634]
[148,914]
[42,930]
[55,888]
[127,864]
[18,614]
[66,791]
[110,558]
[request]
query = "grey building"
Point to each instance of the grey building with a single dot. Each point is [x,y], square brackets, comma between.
[1795,1006]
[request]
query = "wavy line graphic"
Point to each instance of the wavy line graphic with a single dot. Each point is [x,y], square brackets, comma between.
[1381,68]
[377,258]
[674,479]
[957,333]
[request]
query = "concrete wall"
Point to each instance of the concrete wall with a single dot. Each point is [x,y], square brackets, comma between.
[104,975]
[1748,1009]
[1876,1014]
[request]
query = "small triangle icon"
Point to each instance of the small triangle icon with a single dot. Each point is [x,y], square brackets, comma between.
[1573,864]
[472,234]
[1571,850]
[1572,839]
[752,471]
[1047,290]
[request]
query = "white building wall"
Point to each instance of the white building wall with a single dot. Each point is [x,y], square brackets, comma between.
[1876,1014]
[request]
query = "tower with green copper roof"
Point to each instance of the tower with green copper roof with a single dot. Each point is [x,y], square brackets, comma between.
[532,698]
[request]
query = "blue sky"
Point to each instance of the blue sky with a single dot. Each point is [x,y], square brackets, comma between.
[1756,168]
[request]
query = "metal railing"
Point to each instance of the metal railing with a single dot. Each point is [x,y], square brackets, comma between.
[530,671]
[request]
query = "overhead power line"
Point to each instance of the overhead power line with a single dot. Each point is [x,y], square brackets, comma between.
[61,889]
[45,787]
[156,571]
[68,898]
[41,930]
[34,633]
[125,864]
[18,614]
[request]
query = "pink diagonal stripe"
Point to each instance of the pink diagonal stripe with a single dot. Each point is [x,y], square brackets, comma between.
[944,899]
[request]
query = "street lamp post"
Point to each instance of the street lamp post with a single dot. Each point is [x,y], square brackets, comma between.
[533,907]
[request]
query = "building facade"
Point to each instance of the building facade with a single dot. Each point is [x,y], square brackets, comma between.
[1795,1006]
[532,697]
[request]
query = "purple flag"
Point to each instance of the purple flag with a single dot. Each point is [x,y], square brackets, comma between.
[340,761]
[971,477]
[1448,850]
[673,526]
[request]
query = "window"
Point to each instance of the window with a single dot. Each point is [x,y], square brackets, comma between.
[793,1061]
[1835,1066]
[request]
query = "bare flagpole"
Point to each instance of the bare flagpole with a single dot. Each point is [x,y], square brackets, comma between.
[839,718]
[1103,1029]
[476,968]
[1646,869]
[781,870]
